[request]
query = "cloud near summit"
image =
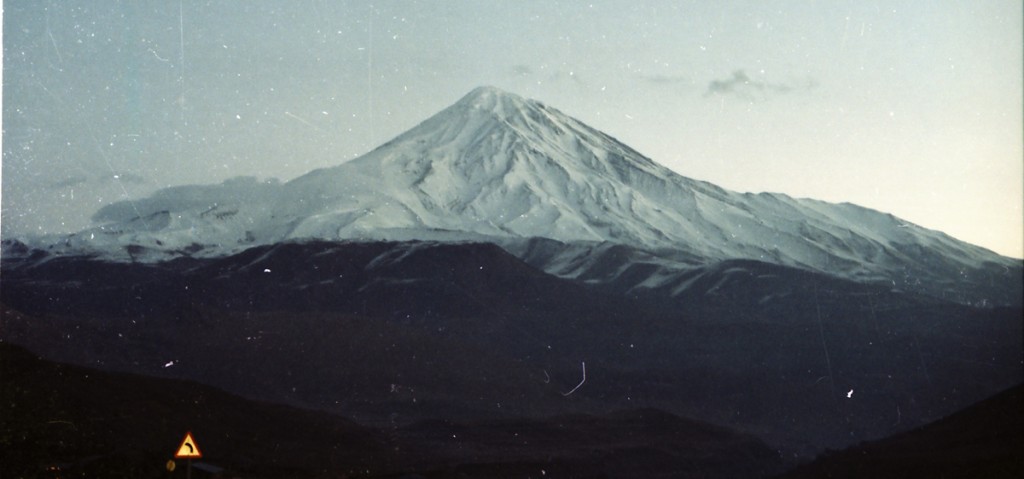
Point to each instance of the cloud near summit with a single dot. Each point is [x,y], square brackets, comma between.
[742,85]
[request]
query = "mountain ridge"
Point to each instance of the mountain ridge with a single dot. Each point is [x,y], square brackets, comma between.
[46,403]
[397,332]
[500,168]
[502,261]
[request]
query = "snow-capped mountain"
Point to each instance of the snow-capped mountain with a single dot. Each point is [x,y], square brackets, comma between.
[496,167]
[543,248]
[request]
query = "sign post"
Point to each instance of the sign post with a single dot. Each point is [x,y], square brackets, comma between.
[188,450]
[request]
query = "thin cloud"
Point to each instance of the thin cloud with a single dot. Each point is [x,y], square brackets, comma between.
[79,180]
[69,183]
[740,84]
[666,79]
[544,74]
[521,70]
[124,178]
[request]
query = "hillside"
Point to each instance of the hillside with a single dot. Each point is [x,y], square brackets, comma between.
[89,423]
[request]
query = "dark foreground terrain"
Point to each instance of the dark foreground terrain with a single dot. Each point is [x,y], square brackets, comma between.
[985,440]
[88,423]
[67,421]
[422,345]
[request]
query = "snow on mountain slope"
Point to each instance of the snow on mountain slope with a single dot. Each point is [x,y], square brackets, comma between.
[497,167]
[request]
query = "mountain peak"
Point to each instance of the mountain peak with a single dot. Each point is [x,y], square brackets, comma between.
[489,90]
[497,165]
[493,99]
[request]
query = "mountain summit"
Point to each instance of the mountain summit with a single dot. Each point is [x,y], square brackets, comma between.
[498,165]
[499,168]
[475,267]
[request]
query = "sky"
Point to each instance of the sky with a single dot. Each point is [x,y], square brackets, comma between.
[908,107]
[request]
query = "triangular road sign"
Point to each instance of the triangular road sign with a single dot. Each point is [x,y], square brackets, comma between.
[188,448]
